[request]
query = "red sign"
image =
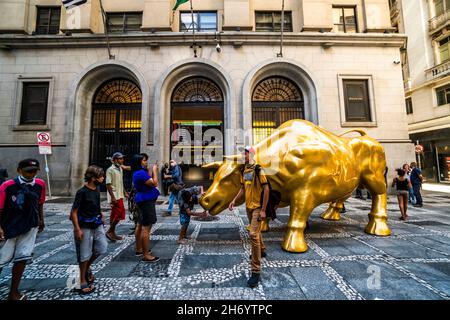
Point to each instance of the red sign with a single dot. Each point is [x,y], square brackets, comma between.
[44,142]
[418,148]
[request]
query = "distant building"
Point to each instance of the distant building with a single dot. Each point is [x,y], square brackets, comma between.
[426,65]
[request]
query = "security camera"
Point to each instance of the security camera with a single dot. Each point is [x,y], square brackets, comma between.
[218,48]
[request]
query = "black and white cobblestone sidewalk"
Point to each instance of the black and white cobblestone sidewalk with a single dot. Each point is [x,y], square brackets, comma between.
[342,261]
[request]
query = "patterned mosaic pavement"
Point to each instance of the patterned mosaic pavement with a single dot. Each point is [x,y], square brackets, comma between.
[342,261]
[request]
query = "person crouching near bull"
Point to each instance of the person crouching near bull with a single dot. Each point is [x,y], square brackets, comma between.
[187,198]
[252,186]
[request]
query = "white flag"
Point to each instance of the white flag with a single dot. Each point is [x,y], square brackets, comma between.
[72,3]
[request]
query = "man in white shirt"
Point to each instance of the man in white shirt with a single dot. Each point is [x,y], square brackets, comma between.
[116,194]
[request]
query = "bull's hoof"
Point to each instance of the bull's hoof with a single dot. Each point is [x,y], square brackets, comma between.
[378,228]
[294,241]
[332,213]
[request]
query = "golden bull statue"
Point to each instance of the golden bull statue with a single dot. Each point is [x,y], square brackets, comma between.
[309,166]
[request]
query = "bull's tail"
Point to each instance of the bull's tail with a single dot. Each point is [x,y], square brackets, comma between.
[360,131]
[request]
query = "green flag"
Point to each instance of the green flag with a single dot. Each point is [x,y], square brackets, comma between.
[178,3]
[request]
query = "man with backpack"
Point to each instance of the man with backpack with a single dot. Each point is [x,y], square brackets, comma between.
[253,185]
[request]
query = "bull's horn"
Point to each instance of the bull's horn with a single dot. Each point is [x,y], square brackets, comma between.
[361,132]
[212,165]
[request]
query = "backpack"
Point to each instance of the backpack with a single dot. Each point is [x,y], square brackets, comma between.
[132,207]
[274,196]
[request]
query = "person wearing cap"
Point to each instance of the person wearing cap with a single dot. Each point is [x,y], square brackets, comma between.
[176,176]
[253,184]
[116,194]
[21,218]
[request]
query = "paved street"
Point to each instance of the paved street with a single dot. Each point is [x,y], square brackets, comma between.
[342,261]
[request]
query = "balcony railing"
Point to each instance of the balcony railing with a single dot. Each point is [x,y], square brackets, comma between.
[439,21]
[438,71]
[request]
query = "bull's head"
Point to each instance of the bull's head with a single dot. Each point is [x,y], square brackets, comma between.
[226,185]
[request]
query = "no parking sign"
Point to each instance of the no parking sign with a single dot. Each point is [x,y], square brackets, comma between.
[45,147]
[44,142]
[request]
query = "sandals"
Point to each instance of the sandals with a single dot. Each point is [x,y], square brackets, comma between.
[110,238]
[86,288]
[140,253]
[155,259]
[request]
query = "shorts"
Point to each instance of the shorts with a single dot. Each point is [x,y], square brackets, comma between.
[93,242]
[147,213]
[402,192]
[184,219]
[19,248]
[118,211]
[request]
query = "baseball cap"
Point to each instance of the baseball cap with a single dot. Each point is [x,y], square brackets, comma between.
[28,164]
[117,155]
[249,149]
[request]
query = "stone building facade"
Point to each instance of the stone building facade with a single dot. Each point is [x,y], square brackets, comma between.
[338,68]
[426,61]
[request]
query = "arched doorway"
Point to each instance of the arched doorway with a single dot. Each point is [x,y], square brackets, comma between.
[116,122]
[275,100]
[197,126]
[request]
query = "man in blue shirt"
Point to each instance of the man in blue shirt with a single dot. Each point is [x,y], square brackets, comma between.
[416,181]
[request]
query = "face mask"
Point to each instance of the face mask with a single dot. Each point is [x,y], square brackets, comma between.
[26,180]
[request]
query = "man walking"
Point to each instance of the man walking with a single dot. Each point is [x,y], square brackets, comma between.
[21,218]
[116,193]
[253,182]
[177,185]
[416,181]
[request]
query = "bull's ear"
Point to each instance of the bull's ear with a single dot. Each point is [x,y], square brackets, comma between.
[212,165]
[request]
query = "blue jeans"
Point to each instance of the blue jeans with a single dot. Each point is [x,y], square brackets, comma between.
[411,197]
[172,198]
[416,188]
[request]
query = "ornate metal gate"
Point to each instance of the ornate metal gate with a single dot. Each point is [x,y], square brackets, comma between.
[275,100]
[116,123]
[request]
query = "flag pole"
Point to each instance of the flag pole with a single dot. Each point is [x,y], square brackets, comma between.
[280,54]
[110,56]
[194,45]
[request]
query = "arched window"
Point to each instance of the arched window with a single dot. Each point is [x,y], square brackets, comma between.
[119,91]
[275,100]
[197,90]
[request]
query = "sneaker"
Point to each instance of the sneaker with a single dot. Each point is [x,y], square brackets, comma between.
[166,214]
[418,205]
[254,280]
